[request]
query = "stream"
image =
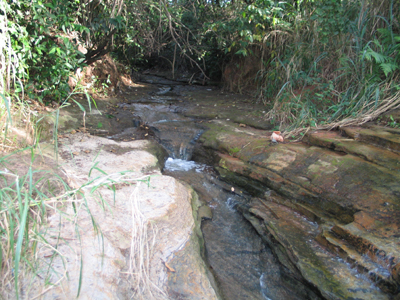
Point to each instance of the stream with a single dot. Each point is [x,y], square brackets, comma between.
[243,265]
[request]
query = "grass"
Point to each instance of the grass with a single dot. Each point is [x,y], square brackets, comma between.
[32,258]
[27,201]
[142,244]
[33,253]
[24,205]
[349,79]
[30,250]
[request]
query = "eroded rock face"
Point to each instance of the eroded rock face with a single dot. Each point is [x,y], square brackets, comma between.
[130,232]
[329,208]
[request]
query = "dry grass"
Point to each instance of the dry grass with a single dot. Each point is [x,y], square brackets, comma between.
[349,89]
[370,113]
[142,244]
[26,202]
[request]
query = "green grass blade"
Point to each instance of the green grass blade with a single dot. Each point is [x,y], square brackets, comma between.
[55,134]
[7,104]
[9,120]
[80,277]
[79,105]
[18,250]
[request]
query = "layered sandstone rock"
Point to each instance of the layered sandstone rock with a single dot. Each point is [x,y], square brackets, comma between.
[329,207]
[129,233]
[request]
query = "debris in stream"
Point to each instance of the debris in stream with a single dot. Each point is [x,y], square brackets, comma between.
[276,137]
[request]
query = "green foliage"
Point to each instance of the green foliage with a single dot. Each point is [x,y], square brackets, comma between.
[331,19]
[392,123]
[233,151]
[45,35]
[339,61]
[321,61]
[40,35]
[347,52]
[101,20]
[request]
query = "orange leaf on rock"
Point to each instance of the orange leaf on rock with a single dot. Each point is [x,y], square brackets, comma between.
[276,135]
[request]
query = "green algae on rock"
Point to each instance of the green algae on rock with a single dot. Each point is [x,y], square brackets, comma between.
[347,186]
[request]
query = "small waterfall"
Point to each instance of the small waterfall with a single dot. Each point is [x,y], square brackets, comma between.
[242,264]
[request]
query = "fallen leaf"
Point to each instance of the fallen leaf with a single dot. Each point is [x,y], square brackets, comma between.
[276,136]
[75,153]
[73,131]
[169,268]
[87,151]
[242,125]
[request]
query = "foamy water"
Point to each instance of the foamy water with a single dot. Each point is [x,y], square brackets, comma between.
[176,164]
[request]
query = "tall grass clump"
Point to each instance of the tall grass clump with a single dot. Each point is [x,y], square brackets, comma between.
[27,193]
[15,113]
[26,196]
[337,64]
[321,62]
[31,254]
[7,67]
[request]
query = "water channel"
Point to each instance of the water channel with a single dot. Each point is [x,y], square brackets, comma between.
[242,264]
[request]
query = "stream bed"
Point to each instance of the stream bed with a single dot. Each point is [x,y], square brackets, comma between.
[243,265]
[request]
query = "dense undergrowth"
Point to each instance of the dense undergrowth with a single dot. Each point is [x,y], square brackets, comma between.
[313,63]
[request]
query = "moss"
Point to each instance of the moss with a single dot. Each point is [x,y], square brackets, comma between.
[251,186]
[233,151]
[222,164]
[159,152]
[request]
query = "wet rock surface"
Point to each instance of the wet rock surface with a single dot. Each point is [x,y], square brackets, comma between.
[345,184]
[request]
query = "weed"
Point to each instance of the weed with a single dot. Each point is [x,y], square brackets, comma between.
[234,150]
[100,87]
[350,78]
[393,123]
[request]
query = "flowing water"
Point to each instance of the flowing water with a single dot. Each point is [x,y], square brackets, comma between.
[244,267]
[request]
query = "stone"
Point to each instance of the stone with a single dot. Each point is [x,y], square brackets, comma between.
[129,228]
[205,213]
[346,183]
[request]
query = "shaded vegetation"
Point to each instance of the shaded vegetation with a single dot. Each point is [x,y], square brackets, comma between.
[311,62]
